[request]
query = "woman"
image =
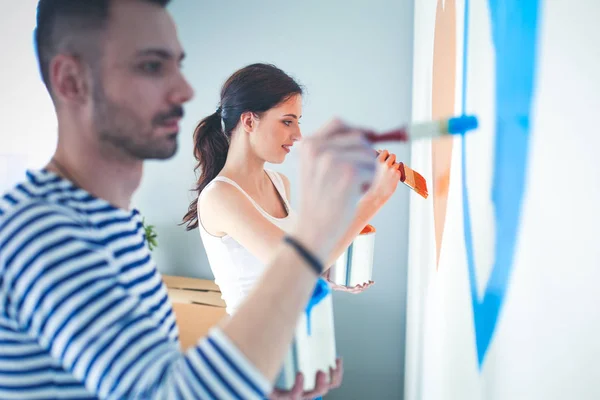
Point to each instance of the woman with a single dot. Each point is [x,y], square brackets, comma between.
[243,209]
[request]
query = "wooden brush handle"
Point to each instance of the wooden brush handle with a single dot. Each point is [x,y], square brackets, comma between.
[402,172]
[400,168]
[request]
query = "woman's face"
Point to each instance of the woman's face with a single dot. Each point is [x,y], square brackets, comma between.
[277,130]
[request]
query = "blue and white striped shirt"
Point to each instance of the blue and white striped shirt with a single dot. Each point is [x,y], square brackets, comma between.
[84,312]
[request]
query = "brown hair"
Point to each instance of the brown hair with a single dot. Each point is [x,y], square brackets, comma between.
[255,88]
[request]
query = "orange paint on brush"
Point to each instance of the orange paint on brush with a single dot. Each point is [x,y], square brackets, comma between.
[413,180]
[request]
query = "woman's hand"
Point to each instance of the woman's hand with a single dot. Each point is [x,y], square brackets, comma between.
[341,288]
[386,179]
[354,290]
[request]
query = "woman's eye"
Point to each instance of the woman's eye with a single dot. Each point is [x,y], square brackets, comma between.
[287,123]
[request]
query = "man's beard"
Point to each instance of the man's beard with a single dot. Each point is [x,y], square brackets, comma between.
[123,130]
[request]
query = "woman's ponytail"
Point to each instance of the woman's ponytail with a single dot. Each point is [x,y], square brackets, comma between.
[210,149]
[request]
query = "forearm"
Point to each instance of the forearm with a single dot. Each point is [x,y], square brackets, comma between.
[367,207]
[105,336]
[263,327]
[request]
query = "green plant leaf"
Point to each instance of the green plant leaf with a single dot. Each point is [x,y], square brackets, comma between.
[150,235]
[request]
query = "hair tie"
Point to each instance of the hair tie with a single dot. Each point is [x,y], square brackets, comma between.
[219,109]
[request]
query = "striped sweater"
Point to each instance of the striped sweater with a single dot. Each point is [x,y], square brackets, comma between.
[84,312]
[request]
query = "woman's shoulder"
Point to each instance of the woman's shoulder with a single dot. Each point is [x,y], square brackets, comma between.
[219,190]
[220,203]
[284,180]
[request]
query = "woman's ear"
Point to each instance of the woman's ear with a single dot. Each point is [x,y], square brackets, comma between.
[249,121]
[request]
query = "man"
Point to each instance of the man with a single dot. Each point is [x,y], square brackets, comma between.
[84,313]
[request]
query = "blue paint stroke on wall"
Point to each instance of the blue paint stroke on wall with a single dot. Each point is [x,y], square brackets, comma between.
[514,34]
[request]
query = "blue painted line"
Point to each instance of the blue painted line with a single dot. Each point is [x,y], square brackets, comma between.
[514,35]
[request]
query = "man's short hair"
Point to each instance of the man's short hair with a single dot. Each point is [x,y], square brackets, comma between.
[66,25]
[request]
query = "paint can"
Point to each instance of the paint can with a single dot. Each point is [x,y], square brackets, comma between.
[313,348]
[355,265]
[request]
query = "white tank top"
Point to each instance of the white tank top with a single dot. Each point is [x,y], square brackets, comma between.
[235,269]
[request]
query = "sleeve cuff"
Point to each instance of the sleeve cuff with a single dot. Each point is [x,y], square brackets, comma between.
[238,362]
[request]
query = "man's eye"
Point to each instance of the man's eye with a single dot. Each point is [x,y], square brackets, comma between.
[151,67]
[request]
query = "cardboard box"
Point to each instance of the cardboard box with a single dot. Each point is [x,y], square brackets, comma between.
[197,305]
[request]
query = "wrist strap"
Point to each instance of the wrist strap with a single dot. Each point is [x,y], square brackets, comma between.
[313,261]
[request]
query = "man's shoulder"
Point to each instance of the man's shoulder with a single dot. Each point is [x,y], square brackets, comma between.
[37,231]
[34,210]
[34,198]
[34,214]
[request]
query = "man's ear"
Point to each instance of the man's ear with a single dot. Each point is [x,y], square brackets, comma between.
[69,79]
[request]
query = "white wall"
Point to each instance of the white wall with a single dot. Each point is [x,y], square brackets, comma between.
[545,344]
[28,132]
[355,60]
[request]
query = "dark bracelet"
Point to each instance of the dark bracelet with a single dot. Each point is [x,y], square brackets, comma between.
[313,261]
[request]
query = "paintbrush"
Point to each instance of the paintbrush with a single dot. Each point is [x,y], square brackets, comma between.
[426,130]
[423,130]
[412,179]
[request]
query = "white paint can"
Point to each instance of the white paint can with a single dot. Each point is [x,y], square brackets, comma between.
[355,265]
